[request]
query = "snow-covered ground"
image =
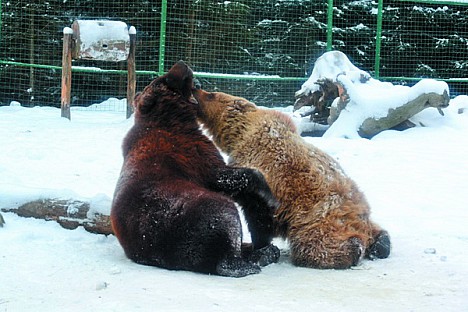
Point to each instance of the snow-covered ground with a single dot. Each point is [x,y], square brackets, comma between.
[416,182]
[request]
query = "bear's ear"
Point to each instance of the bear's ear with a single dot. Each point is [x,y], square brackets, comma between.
[243,106]
[180,78]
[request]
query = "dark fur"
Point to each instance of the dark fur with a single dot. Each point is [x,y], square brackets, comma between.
[173,205]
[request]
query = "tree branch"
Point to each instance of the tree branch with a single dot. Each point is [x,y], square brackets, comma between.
[68,213]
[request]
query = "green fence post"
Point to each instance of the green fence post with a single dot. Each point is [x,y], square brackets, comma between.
[0,21]
[329,25]
[162,37]
[378,39]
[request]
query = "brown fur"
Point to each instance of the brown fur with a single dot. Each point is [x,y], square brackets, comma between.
[173,205]
[323,214]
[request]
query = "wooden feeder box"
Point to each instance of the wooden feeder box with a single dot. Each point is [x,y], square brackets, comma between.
[99,40]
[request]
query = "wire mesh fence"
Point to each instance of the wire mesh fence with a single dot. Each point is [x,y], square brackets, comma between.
[32,32]
[426,39]
[259,49]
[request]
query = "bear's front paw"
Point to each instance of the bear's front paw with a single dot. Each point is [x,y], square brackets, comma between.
[266,255]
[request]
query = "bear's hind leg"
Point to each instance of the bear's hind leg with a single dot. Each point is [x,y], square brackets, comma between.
[380,248]
[326,252]
[234,264]
[210,238]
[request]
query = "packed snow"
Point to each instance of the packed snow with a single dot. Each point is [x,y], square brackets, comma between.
[416,182]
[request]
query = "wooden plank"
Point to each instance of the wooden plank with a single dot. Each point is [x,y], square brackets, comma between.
[66,72]
[131,80]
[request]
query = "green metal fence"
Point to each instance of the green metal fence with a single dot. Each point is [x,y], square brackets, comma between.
[445,29]
[263,50]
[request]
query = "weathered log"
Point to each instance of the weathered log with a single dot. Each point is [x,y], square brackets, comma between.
[70,214]
[372,126]
[396,118]
[326,92]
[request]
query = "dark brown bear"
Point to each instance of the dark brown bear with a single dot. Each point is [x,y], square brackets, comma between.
[323,214]
[173,206]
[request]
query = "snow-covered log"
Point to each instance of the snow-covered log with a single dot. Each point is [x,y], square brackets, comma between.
[366,109]
[397,116]
[354,104]
[70,214]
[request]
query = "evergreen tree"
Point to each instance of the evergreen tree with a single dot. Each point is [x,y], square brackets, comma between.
[266,37]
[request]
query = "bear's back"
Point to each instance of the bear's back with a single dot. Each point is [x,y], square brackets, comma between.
[292,167]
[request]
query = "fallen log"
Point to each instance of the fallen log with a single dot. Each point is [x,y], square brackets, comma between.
[369,105]
[401,114]
[70,214]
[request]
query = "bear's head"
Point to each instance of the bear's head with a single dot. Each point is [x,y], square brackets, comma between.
[225,116]
[230,119]
[167,94]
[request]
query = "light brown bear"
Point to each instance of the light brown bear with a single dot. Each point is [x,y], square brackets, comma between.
[323,214]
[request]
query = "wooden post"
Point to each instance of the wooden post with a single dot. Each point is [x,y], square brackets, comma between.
[66,72]
[131,82]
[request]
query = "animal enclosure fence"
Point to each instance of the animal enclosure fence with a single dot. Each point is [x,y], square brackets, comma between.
[260,49]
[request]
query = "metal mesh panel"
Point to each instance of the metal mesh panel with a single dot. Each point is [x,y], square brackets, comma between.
[425,40]
[245,38]
[32,33]
[248,38]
